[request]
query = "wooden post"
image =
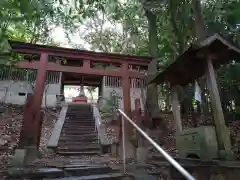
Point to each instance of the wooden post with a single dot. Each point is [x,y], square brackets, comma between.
[222,132]
[26,133]
[32,120]
[138,120]
[37,114]
[126,89]
[127,109]
[126,94]
[176,111]
[40,82]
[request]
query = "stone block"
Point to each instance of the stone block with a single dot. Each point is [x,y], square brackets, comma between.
[19,158]
[32,154]
[217,177]
[34,173]
[141,155]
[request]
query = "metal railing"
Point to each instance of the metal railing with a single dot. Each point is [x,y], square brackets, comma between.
[186,174]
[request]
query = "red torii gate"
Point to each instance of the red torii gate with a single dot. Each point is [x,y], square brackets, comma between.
[33,113]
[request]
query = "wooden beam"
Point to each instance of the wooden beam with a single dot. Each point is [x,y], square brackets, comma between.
[130,152]
[40,81]
[82,56]
[86,83]
[126,89]
[176,111]
[80,70]
[222,132]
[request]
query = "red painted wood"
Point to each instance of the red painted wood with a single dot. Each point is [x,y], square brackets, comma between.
[126,95]
[40,81]
[81,70]
[138,116]
[25,134]
[75,82]
[79,99]
[93,56]
[31,129]
[87,64]
[36,127]
[33,116]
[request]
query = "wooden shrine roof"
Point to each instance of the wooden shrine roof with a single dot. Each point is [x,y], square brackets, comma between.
[191,65]
[22,47]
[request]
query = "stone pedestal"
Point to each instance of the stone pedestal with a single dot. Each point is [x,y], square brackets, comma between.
[32,154]
[142,155]
[130,150]
[19,158]
[25,156]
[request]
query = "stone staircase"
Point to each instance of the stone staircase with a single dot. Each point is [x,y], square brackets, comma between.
[76,172]
[78,135]
[74,136]
[72,171]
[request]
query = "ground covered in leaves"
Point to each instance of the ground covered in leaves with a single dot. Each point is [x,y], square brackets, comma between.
[169,137]
[10,127]
[165,136]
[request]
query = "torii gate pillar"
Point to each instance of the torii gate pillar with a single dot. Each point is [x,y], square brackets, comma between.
[130,152]
[32,120]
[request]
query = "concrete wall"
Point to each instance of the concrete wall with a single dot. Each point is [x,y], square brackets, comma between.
[134,94]
[13,92]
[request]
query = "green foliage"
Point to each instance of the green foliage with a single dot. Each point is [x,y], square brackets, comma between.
[29,21]
[122,27]
[91,90]
[110,105]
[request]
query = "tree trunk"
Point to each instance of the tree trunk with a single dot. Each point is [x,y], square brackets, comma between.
[200,27]
[201,34]
[152,95]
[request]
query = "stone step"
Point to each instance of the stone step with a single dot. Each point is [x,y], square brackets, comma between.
[82,122]
[78,150]
[62,143]
[83,153]
[80,119]
[79,128]
[76,119]
[75,116]
[86,171]
[84,111]
[72,134]
[79,122]
[83,136]
[79,125]
[80,133]
[78,139]
[34,173]
[87,110]
[77,143]
[74,147]
[112,176]
[83,127]
[76,130]
[79,113]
